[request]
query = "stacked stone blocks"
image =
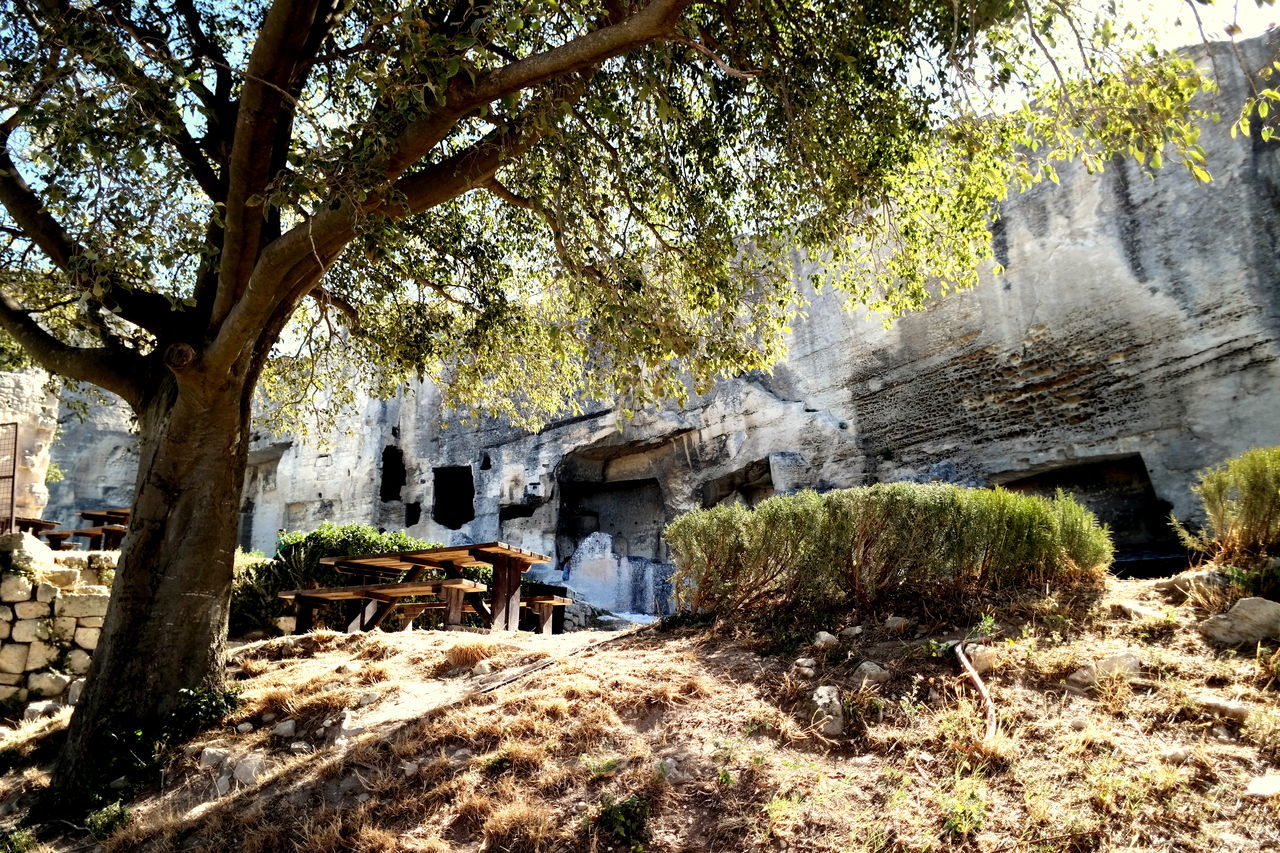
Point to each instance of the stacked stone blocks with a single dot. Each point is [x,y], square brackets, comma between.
[52,608]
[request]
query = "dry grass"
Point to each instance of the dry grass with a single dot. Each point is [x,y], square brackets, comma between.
[717,742]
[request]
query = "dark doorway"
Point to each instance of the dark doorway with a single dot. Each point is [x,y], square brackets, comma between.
[455,494]
[393,474]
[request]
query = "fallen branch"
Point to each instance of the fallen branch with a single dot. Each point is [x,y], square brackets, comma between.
[982,690]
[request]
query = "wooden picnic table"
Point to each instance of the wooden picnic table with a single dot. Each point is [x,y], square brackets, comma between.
[402,575]
[34,526]
[106,516]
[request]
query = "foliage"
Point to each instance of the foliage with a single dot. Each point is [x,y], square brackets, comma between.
[254,601]
[625,821]
[197,710]
[808,552]
[17,841]
[54,473]
[1241,502]
[108,820]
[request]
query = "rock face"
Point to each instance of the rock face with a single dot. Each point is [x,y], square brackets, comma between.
[25,400]
[1132,341]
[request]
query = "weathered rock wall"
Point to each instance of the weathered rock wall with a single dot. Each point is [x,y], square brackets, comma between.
[26,401]
[1132,341]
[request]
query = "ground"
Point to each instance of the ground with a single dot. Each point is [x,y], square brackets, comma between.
[701,739]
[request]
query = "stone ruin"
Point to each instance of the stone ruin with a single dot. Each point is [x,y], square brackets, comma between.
[52,606]
[1132,340]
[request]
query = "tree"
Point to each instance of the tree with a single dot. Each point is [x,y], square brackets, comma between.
[536,202]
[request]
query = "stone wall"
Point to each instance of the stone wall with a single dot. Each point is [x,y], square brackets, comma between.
[1133,340]
[51,612]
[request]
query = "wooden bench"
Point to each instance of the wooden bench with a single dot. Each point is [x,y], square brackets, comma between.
[34,526]
[106,538]
[382,598]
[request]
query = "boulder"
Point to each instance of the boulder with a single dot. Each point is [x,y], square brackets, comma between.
[982,657]
[81,604]
[87,638]
[824,640]
[869,673]
[78,660]
[1181,586]
[251,767]
[14,587]
[62,578]
[1125,665]
[212,756]
[31,610]
[29,554]
[244,728]
[805,667]
[39,710]
[47,684]
[74,689]
[827,710]
[40,654]
[8,691]
[1250,620]
[13,657]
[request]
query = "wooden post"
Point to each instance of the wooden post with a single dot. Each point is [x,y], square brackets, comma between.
[501,595]
[452,608]
[306,618]
[513,592]
[367,614]
[545,611]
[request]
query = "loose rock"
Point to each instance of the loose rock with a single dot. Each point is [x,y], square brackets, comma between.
[249,768]
[1219,706]
[1126,665]
[1264,787]
[869,673]
[47,684]
[1180,586]
[827,710]
[37,710]
[212,756]
[897,623]
[286,729]
[1250,620]
[482,668]
[982,657]
[824,640]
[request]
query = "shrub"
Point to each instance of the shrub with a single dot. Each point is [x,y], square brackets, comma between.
[254,601]
[625,822]
[812,552]
[107,821]
[1241,502]
[16,841]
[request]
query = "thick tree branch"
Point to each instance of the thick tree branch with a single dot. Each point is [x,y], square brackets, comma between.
[107,368]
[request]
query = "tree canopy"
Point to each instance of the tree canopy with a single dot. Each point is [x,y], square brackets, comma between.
[534,201]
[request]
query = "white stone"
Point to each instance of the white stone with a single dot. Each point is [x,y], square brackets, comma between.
[1126,665]
[47,684]
[824,640]
[93,589]
[87,638]
[251,767]
[31,610]
[46,592]
[40,654]
[90,621]
[806,662]
[851,631]
[1264,787]
[1220,706]
[212,756]
[28,554]
[28,631]
[1250,620]
[482,668]
[409,768]
[1180,586]
[300,747]
[461,756]
[13,657]
[64,627]
[244,728]
[285,729]
[868,673]
[349,668]
[74,689]
[63,578]
[1176,755]
[827,710]
[897,623]
[14,587]
[37,710]
[983,657]
[80,604]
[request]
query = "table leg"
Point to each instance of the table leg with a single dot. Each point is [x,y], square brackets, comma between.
[513,594]
[546,610]
[306,616]
[501,595]
[452,608]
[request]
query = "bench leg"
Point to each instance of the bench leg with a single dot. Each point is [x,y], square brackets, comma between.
[452,608]
[306,616]
[545,610]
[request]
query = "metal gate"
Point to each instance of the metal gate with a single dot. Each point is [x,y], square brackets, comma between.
[8,475]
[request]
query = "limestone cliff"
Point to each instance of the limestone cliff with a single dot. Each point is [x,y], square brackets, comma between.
[1132,341]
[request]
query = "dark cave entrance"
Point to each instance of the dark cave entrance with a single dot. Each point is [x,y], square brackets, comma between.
[630,511]
[394,475]
[454,501]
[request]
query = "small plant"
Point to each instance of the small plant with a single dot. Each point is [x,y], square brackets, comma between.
[1262,729]
[107,821]
[197,710]
[16,841]
[964,810]
[624,821]
[601,768]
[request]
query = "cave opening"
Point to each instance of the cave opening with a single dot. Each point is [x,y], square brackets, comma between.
[750,484]
[394,474]
[630,511]
[454,496]
[412,513]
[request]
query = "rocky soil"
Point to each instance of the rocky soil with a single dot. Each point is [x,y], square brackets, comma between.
[1122,722]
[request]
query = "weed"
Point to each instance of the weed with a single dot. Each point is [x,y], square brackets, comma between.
[964,808]
[1262,728]
[625,821]
[107,821]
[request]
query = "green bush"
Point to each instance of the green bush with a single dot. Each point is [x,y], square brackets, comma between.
[107,821]
[254,601]
[808,551]
[1241,501]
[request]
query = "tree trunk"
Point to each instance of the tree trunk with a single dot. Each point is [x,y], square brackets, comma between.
[166,626]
